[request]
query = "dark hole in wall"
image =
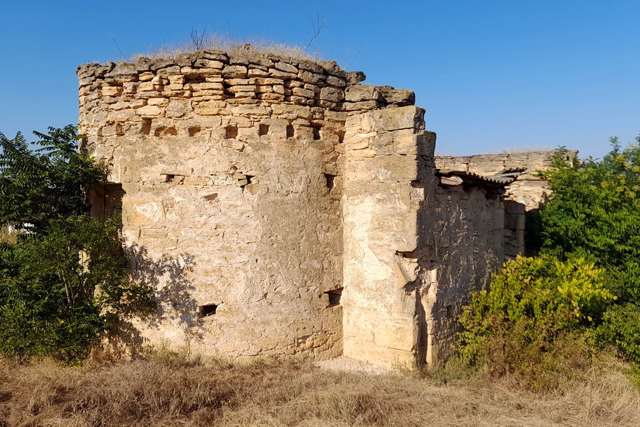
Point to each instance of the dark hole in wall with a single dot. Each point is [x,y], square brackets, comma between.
[330,180]
[316,132]
[169,178]
[340,137]
[248,180]
[194,130]
[195,78]
[449,311]
[263,129]
[290,131]
[231,132]
[532,232]
[166,131]
[207,310]
[145,129]
[334,296]
[227,90]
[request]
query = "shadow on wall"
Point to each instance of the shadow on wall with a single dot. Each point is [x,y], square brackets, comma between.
[418,284]
[460,243]
[168,277]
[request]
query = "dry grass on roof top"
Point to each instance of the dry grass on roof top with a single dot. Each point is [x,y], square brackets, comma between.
[235,48]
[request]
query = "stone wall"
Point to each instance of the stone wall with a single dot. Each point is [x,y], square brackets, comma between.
[529,189]
[524,195]
[231,173]
[465,246]
[281,208]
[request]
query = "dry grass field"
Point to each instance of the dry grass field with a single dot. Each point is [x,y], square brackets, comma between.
[174,391]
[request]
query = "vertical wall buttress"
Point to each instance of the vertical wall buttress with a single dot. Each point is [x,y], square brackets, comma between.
[386,154]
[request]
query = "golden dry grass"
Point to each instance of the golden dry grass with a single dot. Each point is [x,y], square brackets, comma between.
[236,48]
[171,391]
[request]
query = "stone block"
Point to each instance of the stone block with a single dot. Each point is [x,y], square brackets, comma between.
[234,71]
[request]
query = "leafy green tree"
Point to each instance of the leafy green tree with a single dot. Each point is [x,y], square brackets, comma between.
[64,283]
[541,313]
[46,184]
[594,211]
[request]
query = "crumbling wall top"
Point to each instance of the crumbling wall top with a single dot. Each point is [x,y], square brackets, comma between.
[212,81]
[492,164]
[203,58]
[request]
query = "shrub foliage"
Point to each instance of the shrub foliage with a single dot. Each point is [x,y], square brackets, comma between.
[594,211]
[533,304]
[543,316]
[64,281]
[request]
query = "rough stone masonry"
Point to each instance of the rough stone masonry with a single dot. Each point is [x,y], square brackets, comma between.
[301,210]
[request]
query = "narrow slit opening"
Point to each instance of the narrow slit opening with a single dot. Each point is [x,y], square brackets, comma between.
[145,129]
[329,180]
[316,132]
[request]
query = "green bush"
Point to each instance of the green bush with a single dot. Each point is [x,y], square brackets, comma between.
[621,327]
[531,322]
[61,292]
[594,211]
[583,291]
[64,280]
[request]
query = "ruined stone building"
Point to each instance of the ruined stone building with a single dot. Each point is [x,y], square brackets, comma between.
[307,209]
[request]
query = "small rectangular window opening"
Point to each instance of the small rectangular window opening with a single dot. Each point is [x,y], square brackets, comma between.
[334,297]
[231,132]
[316,132]
[145,128]
[290,131]
[207,310]
[195,78]
[263,129]
[330,180]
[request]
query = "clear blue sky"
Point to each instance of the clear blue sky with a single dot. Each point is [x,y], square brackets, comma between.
[493,75]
